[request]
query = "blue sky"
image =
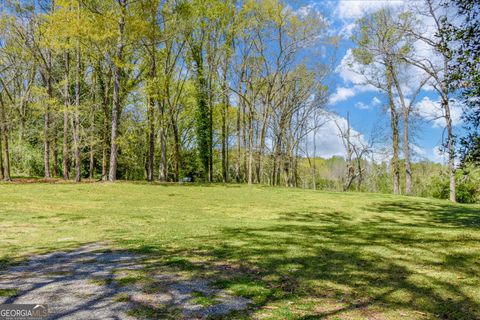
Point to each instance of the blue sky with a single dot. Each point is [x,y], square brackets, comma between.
[366,107]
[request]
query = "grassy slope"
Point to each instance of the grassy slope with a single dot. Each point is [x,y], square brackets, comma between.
[298,254]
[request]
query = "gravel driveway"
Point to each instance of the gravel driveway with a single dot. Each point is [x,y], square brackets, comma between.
[87,284]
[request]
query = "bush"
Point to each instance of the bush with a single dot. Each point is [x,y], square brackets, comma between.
[468,185]
[468,181]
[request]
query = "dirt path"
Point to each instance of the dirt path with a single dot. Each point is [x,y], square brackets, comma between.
[89,283]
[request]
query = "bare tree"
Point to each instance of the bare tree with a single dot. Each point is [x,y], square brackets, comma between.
[355,152]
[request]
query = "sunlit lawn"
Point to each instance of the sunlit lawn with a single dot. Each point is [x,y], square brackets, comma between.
[298,254]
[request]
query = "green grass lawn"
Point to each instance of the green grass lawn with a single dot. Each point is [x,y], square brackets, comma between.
[298,254]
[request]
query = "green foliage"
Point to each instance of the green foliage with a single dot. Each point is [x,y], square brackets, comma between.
[468,185]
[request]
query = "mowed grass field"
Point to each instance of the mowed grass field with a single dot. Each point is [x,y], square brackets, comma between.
[297,254]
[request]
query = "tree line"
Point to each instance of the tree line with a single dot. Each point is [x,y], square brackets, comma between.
[230,91]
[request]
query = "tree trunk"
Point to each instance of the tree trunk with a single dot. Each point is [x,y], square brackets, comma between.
[450,137]
[210,140]
[117,72]
[151,140]
[394,127]
[406,154]
[76,119]
[4,150]
[46,124]
[238,159]
[151,119]
[163,169]
[55,156]
[314,177]
[1,155]
[91,165]
[225,126]
[250,147]
[261,144]
[406,140]
[104,160]
[66,97]
[176,149]
[450,150]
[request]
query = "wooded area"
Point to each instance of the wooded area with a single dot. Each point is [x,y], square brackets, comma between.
[220,91]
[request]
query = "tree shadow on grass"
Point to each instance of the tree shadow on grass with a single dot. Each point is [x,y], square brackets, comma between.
[445,213]
[379,265]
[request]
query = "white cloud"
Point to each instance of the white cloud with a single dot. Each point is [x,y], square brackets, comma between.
[376,102]
[418,151]
[346,69]
[328,138]
[432,111]
[348,9]
[438,155]
[362,106]
[342,94]
[304,11]
[347,30]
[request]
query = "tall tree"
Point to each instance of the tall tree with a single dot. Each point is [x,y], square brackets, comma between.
[464,42]
[438,69]
[378,46]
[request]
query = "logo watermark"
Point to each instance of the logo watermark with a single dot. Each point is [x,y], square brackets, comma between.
[23,311]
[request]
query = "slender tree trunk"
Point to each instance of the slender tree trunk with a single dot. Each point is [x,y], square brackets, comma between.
[91,165]
[450,150]
[406,140]
[245,144]
[250,147]
[1,154]
[46,125]
[55,156]
[210,139]
[261,144]
[450,136]
[151,119]
[117,72]
[163,165]
[66,97]
[394,127]
[6,155]
[406,154]
[225,125]
[151,140]
[314,177]
[163,169]
[238,159]
[104,159]
[76,118]
[4,150]
[278,159]
[176,149]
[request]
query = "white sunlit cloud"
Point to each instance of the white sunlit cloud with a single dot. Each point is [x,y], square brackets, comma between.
[432,111]
[362,106]
[438,155]
[376,102]
[418,151]
[346,70]
[342,94]
[348,9]
[329,140]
